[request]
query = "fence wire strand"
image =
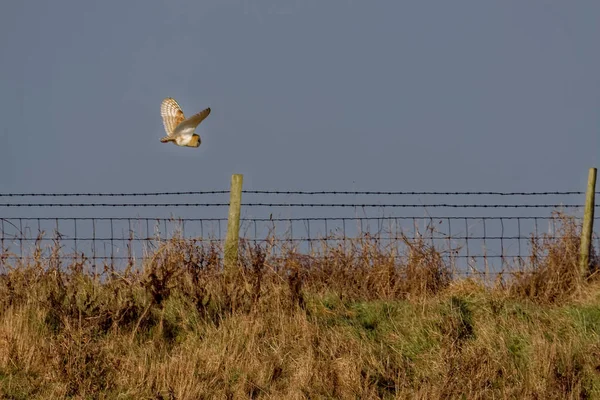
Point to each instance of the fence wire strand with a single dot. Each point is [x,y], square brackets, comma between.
[328,205]
[298,192]
[475,239]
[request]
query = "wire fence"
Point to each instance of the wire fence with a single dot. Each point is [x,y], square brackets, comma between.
[493,241]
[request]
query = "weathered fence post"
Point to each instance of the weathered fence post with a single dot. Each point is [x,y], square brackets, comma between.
[233,222]
[588,224]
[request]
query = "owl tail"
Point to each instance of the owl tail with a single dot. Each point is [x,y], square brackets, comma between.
[167,139]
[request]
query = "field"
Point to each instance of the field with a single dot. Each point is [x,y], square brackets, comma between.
[353,321]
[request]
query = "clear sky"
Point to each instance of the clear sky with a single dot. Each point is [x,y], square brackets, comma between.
[305,95]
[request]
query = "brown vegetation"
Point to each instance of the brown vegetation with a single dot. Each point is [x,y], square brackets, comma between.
[351,321]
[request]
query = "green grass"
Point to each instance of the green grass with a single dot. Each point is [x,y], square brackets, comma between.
[454,344]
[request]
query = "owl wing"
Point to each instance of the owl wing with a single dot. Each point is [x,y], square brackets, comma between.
[194,120]
[171,115]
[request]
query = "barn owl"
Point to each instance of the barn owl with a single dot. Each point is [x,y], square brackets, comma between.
[180,131]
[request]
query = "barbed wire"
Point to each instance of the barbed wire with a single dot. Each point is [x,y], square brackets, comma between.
[112,194]
[284,219]
[299,192]
[413,193]
[331,205]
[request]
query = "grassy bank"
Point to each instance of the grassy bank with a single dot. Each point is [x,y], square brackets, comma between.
[353,322]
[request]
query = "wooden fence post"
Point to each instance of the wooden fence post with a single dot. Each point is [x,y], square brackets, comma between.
[233,223]
[588,224]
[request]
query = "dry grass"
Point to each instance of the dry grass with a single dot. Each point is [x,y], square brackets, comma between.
[554,274]
[355,321]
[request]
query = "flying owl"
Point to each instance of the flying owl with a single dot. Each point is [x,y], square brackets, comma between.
[180,131]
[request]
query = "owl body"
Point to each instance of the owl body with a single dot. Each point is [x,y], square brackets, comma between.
[180,131]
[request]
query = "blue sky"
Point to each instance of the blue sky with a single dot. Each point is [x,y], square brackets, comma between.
[305,95]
